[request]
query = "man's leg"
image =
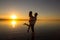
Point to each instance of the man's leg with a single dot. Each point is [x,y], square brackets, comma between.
[32,28]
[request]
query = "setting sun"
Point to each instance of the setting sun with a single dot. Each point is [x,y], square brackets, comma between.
[13,16]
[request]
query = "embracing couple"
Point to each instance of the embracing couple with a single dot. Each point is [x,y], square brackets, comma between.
[32,21]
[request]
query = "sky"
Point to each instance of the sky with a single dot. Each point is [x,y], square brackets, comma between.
[45,8]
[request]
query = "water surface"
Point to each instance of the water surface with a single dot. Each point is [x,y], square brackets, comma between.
[15,30]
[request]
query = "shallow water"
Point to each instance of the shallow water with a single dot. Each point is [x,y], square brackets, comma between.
[15,30]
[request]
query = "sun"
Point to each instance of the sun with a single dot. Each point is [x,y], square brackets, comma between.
[13,16]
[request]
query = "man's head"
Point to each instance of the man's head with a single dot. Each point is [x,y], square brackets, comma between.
[36,14]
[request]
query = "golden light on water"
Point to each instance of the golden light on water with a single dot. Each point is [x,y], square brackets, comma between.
[13,23]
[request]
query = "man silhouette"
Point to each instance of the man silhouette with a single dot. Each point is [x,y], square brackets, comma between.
[32,21]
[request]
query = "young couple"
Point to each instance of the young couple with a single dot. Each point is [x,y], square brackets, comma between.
[32,21]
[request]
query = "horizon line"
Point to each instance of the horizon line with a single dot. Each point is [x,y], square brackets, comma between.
[28,19]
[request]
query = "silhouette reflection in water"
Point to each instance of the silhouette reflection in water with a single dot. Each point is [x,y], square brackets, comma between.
[32,36]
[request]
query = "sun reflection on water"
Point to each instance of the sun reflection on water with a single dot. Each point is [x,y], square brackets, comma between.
[13,22]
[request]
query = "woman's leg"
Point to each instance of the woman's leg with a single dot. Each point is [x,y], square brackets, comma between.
[28,28]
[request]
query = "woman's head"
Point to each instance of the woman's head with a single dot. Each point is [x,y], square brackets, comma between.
[30,13]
